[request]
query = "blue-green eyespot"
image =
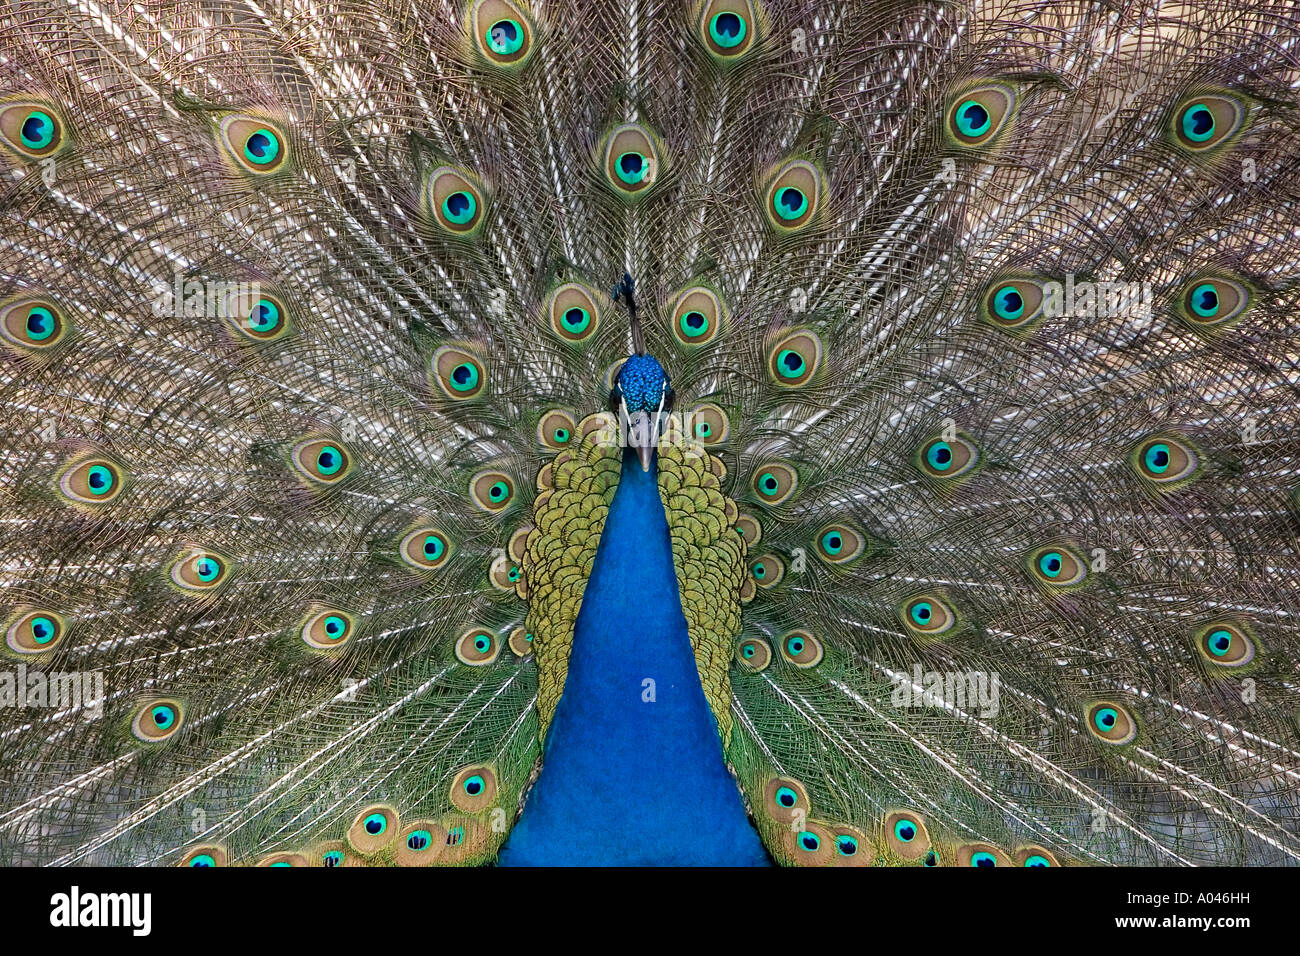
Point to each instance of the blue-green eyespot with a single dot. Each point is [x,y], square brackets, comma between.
[257,145]
[460,375]
[794,195]
[978,115]
[455,201]
[1226,644]
[31,325]
[321,460]
[477,647]
[801,649]
[948,458]
[1111,723]
[92,481]
[575,315]
[35,632]
[1165,461]
[157,720]
[503,33]
[1204,122]
[198,571]
[728,29]
[474,788]
[697,315]
[33,130]
[328,629]
[632,159]
[374,828]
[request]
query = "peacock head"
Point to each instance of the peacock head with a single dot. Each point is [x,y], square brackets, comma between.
[642,397]
[642,394]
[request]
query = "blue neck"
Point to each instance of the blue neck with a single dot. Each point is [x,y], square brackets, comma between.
[629,781]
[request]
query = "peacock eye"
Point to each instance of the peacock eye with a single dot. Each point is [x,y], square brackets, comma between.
[322,460]
[157,720]
[38,130]
[327,630]
[373,828]
[454,201]
[1015,305]
[846,845]
[477,647]
[424,548]
[474,788]
[928,615]
[794,195]
[931,858]
[576,320]
[787,798]
[789,202]
[492,491]
[1204,122]
[906,835]
[32,325]
[979,114]
[1057,567]
[694,324]
[794,359]
[727,29]
[262,147]
[502,32]
[505,37]
[264,317]
[774,483]
[202,859]
[460,375]
[631,156]
[42,630]
[632,167]
[1165,460]
[254,143]
[1214,302]
[35,632]
[972,119]
[419,840]
[948,458]
[198,571]
[697,313]
[459,207]
[753,654]
[801,649]
[1036,860]
[92,482]
[33,130]
[809,841]
[332,858]
[983,859]
[464,377]
[1227,645]
[555,429]
[840,544]
[1111,723]
[574,313]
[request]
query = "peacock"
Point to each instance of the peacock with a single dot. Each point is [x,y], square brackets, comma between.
[725,432]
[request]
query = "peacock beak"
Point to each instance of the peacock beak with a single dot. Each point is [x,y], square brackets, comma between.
[643,435]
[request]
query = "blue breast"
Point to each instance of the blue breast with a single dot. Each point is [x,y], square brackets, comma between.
[627,781]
